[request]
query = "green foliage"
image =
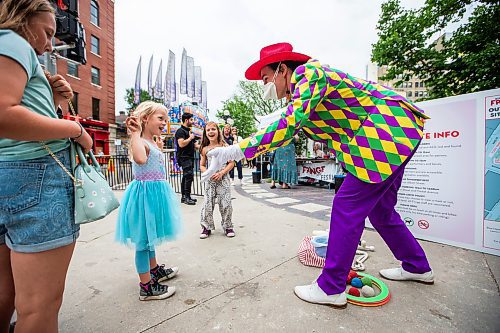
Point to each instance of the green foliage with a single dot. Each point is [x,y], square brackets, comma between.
[129,98]
[251,93]
[465,61]
[245,105]
[242,115]
[301,144]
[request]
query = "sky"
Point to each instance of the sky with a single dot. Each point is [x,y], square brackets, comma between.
[225,37]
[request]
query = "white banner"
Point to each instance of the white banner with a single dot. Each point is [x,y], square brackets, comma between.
[204,97]
[150,77]
[197,84]
[183,81]
[137,85]
[170,95]
[158,88]
[190,76]
[324,171]
[451,188]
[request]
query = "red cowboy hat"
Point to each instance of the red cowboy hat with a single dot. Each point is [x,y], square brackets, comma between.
[271,54]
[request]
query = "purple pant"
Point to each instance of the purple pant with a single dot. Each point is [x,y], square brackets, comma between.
[355,201]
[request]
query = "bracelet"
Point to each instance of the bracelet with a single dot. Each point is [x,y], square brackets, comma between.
[81,132]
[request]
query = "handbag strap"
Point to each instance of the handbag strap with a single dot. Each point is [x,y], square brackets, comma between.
[75,181]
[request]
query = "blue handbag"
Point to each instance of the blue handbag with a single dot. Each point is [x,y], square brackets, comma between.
[94,198]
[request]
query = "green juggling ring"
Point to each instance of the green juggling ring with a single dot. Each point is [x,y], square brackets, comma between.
[380,299]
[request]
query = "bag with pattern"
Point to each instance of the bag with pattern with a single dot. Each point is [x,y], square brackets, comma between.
[94,198]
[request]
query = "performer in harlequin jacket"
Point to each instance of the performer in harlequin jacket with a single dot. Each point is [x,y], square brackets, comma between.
[373,132]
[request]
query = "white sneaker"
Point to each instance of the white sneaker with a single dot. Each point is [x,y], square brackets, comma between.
[399,274]
[232,182]
[314,294]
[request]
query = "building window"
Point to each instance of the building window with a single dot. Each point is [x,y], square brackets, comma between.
[409,93]
[95,108]
[94,12]
[416,84]
[96,75]
[94,45]
[74,101]
[409,84]
[72,69]
[422,85]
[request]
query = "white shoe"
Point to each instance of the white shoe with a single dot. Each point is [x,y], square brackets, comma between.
[232,182]
[399,274]
[314,294]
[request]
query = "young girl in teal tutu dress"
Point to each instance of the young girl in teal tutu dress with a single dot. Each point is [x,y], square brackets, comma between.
[149,213]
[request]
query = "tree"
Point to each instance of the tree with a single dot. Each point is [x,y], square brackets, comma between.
[246,105]
[462,62]
[129,98]
[251,93]
[241,113]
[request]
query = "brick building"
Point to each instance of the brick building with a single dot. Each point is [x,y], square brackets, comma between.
[94,82]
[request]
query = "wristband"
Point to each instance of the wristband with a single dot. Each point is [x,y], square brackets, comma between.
[81,132]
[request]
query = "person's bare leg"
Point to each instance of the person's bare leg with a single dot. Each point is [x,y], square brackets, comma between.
[7,288]
[145,277]
[38,300]
[152,263]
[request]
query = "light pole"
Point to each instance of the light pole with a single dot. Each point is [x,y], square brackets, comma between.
[227,119]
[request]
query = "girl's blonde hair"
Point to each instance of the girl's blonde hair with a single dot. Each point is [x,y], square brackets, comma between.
[14,14]
[205,141]
[143,112]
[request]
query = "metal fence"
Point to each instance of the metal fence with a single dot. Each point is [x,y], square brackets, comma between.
[118,172]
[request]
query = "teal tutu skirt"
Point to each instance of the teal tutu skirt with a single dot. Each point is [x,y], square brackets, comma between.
[149,215]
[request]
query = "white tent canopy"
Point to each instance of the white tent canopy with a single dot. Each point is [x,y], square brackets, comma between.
[268,119]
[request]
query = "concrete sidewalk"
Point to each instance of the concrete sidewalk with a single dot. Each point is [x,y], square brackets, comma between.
[245,284]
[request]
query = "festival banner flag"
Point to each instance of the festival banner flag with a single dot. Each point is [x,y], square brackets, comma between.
[137,86]
[173,85]
[190,77]
[158,89]
[204,94]
[197,84]
[170,88]
[183,81]
[150,77]
[166,94]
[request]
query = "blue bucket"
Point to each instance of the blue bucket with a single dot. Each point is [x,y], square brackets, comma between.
[320,244]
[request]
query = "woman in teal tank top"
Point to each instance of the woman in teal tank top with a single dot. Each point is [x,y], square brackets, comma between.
[37,228]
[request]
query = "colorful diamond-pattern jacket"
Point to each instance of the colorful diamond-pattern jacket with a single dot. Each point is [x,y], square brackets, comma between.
[371,129]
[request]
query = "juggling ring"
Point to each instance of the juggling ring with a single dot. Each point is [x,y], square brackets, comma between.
[382,298]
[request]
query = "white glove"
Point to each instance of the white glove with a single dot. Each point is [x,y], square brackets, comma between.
[218,157]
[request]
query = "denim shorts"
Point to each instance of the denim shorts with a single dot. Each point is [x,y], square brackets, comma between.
[37,204]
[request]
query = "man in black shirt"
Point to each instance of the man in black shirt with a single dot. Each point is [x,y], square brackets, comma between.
[185,156]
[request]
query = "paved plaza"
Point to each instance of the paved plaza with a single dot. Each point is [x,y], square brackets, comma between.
[245,284]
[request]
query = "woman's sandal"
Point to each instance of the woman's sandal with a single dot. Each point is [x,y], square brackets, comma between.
[273,186]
